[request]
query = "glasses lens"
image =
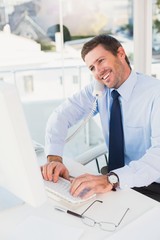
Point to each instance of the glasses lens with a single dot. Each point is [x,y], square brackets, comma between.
[107,226]
[88,221]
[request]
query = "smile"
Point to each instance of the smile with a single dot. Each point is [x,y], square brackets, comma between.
[105,77]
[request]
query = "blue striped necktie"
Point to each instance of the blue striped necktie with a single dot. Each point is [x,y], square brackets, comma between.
[116,138]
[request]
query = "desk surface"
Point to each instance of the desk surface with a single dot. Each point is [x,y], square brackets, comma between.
[113,206]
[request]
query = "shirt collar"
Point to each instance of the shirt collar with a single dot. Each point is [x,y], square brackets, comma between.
[125,90]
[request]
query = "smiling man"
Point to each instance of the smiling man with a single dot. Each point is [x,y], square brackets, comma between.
[137,152]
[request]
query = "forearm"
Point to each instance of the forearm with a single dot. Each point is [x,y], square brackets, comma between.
[65,116]
[55,135]
[141,172]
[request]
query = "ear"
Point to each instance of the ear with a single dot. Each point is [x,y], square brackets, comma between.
[121,53]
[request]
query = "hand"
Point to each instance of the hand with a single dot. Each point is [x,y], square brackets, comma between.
[94,184]
[52,170]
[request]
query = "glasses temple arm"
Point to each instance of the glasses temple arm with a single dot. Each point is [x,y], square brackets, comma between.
[122,217]
[90,206]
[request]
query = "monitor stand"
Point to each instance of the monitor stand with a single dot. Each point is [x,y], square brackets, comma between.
[8,200]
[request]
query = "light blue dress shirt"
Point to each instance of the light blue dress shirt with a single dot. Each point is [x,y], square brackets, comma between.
[140,106]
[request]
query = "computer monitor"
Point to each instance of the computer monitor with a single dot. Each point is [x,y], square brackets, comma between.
[19,169]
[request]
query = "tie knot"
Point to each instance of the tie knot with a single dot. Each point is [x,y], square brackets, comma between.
[115,94]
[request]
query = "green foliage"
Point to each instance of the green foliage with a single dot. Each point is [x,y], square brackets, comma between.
[47,46]
[158,3]
[156,25]
[80,37]
[156,22]
[56,28]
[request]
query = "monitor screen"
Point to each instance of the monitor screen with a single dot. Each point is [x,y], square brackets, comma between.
[19,169]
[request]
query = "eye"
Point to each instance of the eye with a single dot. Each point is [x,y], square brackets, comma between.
[101,60]
[91,68]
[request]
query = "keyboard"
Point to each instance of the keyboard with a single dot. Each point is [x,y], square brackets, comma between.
[61,190]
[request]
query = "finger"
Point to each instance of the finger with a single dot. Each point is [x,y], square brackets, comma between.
[78,181]
[80,187]
[71,179]
[50,170]
[87,193]
[65,174]
[55,176]
[44,172]
[84,190]
[58,171]
[74,185]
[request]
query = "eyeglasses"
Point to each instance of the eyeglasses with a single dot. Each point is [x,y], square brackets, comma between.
[106,226]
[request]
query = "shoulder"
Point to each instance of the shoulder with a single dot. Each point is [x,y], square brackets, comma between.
[148,82]
[148,79]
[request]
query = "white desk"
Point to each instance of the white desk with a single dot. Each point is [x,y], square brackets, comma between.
[113,206]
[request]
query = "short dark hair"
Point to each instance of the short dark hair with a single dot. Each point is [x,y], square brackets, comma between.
[109,43]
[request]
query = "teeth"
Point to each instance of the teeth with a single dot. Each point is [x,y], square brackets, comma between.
[106,76]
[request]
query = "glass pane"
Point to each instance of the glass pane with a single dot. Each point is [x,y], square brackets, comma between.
[156,39]
[46,68]
[42,21]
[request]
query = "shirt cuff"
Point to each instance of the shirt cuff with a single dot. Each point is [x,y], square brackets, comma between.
[54,149]
[125,177]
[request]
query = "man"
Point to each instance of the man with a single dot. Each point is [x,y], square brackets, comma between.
[139,97]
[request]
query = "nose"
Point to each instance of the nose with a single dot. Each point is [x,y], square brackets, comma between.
[99,71]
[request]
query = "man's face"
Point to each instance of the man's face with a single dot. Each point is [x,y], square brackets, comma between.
[107,68]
